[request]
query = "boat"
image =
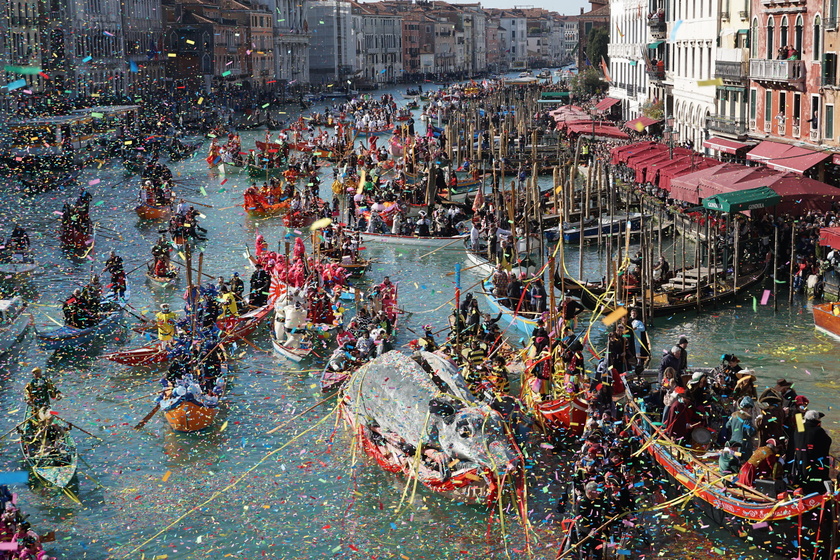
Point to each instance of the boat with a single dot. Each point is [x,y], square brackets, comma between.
[299,219]
[259,209]
[825,318]
[78,239]
[607,225]
[243,325]
[523,324]
[68,337]
[290,353]
[666,304]
[154,353]
[472,465]
[191,413]
[374,131]
[14,322]
[784,523]
[168,281]
[19,266]
[153,212]
[182,153]
[264,173]
[57,467]
[420,241]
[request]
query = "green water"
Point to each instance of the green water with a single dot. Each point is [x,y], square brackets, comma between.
[302,491]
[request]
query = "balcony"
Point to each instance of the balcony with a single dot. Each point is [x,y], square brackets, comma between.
[731,127]
[731,71]
[656,23]
[656,74]
[785,71]
[781,126]
[814,135]
[830,24]
[795,131]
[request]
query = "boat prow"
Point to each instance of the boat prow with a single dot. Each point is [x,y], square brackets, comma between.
[825,320]
[56,467]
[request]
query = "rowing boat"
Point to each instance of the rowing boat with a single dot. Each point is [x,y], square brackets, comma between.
[163,281]
[521,323]
[788,524]
[153,211]
[258,209]
[55,463]
[186,413]
[293,354]
[416,240]
[14,322]
[154,353]
[68,337]
[243,325]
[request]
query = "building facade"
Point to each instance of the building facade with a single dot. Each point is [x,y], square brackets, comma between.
[628,55]
[332,47]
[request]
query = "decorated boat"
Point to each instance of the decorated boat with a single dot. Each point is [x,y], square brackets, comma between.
[393,407]
[155,353]
[53,462]
[153,211]
[68,337]
[518,322]
[189,410]
[791,525]
[244,324]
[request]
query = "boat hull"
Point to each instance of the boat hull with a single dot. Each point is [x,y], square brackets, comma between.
[146,212]
[517,323]
[67,337]
[293,354]
[415,240]
[826,321]
[190,417]
[145,355]
[58,475]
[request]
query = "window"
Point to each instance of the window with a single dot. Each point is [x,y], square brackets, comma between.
[754,39]
[829,121]
[753,102]
[797,109]
[782,102]
[768,105]
[783,33]
[797,35]
[817,37]
[815,114]
[771,52]
[832,10]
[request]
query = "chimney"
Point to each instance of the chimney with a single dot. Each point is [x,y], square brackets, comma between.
[581,11]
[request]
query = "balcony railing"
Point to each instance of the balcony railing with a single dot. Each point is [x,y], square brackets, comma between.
[769,70]
[814,135]
[656,22]
[781,127]
[656,74]
[732,71]
[829,80]
[830,24]
[732,127]
[795,131]
[768,126]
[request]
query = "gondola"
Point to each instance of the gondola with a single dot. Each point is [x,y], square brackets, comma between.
[55,465]
[182,153]
[184,413]
[153,212]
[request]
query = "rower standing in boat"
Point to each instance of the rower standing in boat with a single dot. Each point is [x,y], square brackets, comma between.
[228,303]
[18,244]
[39,392]
[114,266]
[165,321]
[237,288]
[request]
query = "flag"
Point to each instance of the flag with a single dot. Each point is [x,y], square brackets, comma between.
[605,69]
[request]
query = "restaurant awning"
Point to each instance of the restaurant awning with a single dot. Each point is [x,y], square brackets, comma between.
[830,236]
[750,199]
[597,129]
[784,157]
[640,123]
[724,145]
[606,103]
[621,153]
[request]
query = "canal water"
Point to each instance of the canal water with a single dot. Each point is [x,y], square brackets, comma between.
[271,479]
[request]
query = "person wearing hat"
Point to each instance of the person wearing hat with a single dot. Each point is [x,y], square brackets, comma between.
[782,392]
[423,225]
[237,287]
[724,375]
[745,385]
[683,344]
[811,463]
[741,427]
[682,418]
[165,322]
[39,392]
[698,388]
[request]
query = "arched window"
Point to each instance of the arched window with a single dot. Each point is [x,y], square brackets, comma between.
[754,39]
[783,33]
[797,35]
[817,37]
[771,31]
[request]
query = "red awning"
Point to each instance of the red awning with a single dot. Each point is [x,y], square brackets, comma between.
[767,150]
[830,236]
[786,158]
[836,159]
[724,145]
[640,159]
[621,153]
[640,123]
[598,129]
[606,103]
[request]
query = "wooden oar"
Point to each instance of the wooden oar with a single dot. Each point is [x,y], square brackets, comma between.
[138,266]
[203,273]
[460,239]
[148,417]
[468,268]
[72,425]
[13,429]
[198,203]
